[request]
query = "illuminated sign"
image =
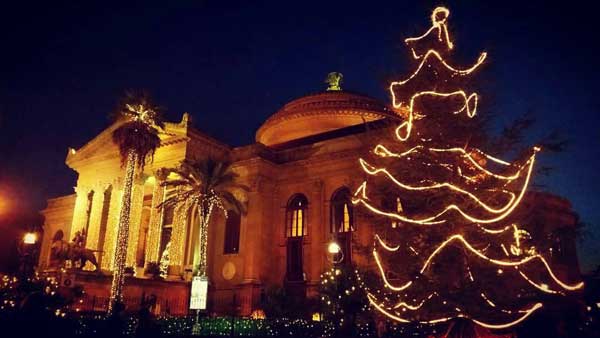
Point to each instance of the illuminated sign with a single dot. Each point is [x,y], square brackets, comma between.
[198,297]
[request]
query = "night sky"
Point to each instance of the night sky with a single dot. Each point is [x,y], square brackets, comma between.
[232,64]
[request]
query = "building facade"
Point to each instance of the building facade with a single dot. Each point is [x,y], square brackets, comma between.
[300,173]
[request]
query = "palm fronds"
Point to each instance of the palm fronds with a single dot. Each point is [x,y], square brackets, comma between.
[198,182]
[139,133]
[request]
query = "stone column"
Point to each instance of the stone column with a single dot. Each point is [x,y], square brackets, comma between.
[251,234]
[155,224]
[93,234]
[313,251]
[112,225]
[178,238]
[137,203]
[79,213]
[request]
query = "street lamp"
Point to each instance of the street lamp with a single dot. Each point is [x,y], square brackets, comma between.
[334,253]
[27,254]
[29,238]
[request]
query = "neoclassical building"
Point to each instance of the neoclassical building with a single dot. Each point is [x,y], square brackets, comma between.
[299,171]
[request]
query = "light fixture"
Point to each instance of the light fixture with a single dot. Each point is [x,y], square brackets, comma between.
[333,248]
[30,238]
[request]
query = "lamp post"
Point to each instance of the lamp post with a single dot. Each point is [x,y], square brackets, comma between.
[30,238]
[27,251]
[334,253]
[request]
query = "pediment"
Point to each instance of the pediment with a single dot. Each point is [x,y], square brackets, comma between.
[101,148]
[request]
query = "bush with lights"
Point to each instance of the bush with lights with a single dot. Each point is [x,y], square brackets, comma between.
[36,299]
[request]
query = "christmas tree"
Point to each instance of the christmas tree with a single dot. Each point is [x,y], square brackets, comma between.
[457,241]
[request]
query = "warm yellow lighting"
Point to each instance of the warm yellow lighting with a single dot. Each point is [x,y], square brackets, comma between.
[258,314]
[346,221]
[504,211]
[414,307]
[437,23]
[316,317]
[486,191]
[30,238]
[333,248]
[384,277]
[542,287]
[526,314]
[396,317]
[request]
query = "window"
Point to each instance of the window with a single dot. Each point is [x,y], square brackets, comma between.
[296,216]
[168,215]
[296,213]
[393,204]
[232,233]
[342,221]
[167,227]
[342,216]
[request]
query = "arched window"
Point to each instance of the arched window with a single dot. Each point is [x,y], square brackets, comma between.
[296,216]
[342,215]
[232,233]
[393,204]
[296,213]
[167,227]
[342,221]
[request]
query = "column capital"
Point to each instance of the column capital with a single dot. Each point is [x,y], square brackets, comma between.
[81,190]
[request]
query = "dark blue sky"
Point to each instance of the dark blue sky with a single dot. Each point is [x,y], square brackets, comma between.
[231,64]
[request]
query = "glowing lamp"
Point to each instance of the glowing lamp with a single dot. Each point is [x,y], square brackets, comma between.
[334,248]
[258,314]
[334,253]
[316,317]
[30,238]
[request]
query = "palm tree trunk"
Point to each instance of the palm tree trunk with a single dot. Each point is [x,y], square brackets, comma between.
[203,240]
[116,290]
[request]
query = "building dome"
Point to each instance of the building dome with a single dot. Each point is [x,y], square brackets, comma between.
[319,113]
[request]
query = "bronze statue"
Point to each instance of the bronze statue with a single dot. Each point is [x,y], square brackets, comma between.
[334,80]
[76,252]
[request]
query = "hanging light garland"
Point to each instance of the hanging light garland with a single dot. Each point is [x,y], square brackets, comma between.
[486,196]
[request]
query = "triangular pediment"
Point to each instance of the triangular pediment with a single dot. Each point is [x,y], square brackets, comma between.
[101,148]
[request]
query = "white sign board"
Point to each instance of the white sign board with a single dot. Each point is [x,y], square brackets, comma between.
[199,293]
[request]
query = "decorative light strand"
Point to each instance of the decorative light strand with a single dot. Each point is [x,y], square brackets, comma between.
[383,276]
[436,23]
[472,169]
[361,191]
[116,289]
[526,313]
[467,245]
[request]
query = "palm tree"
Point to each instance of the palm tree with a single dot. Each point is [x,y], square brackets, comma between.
[137,139]
[199,188]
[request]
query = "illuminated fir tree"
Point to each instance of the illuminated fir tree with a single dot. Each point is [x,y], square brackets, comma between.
[137,139]
[457,242]
[342,293]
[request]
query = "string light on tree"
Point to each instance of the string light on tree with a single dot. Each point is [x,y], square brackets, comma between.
[464,200]
[137,139]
